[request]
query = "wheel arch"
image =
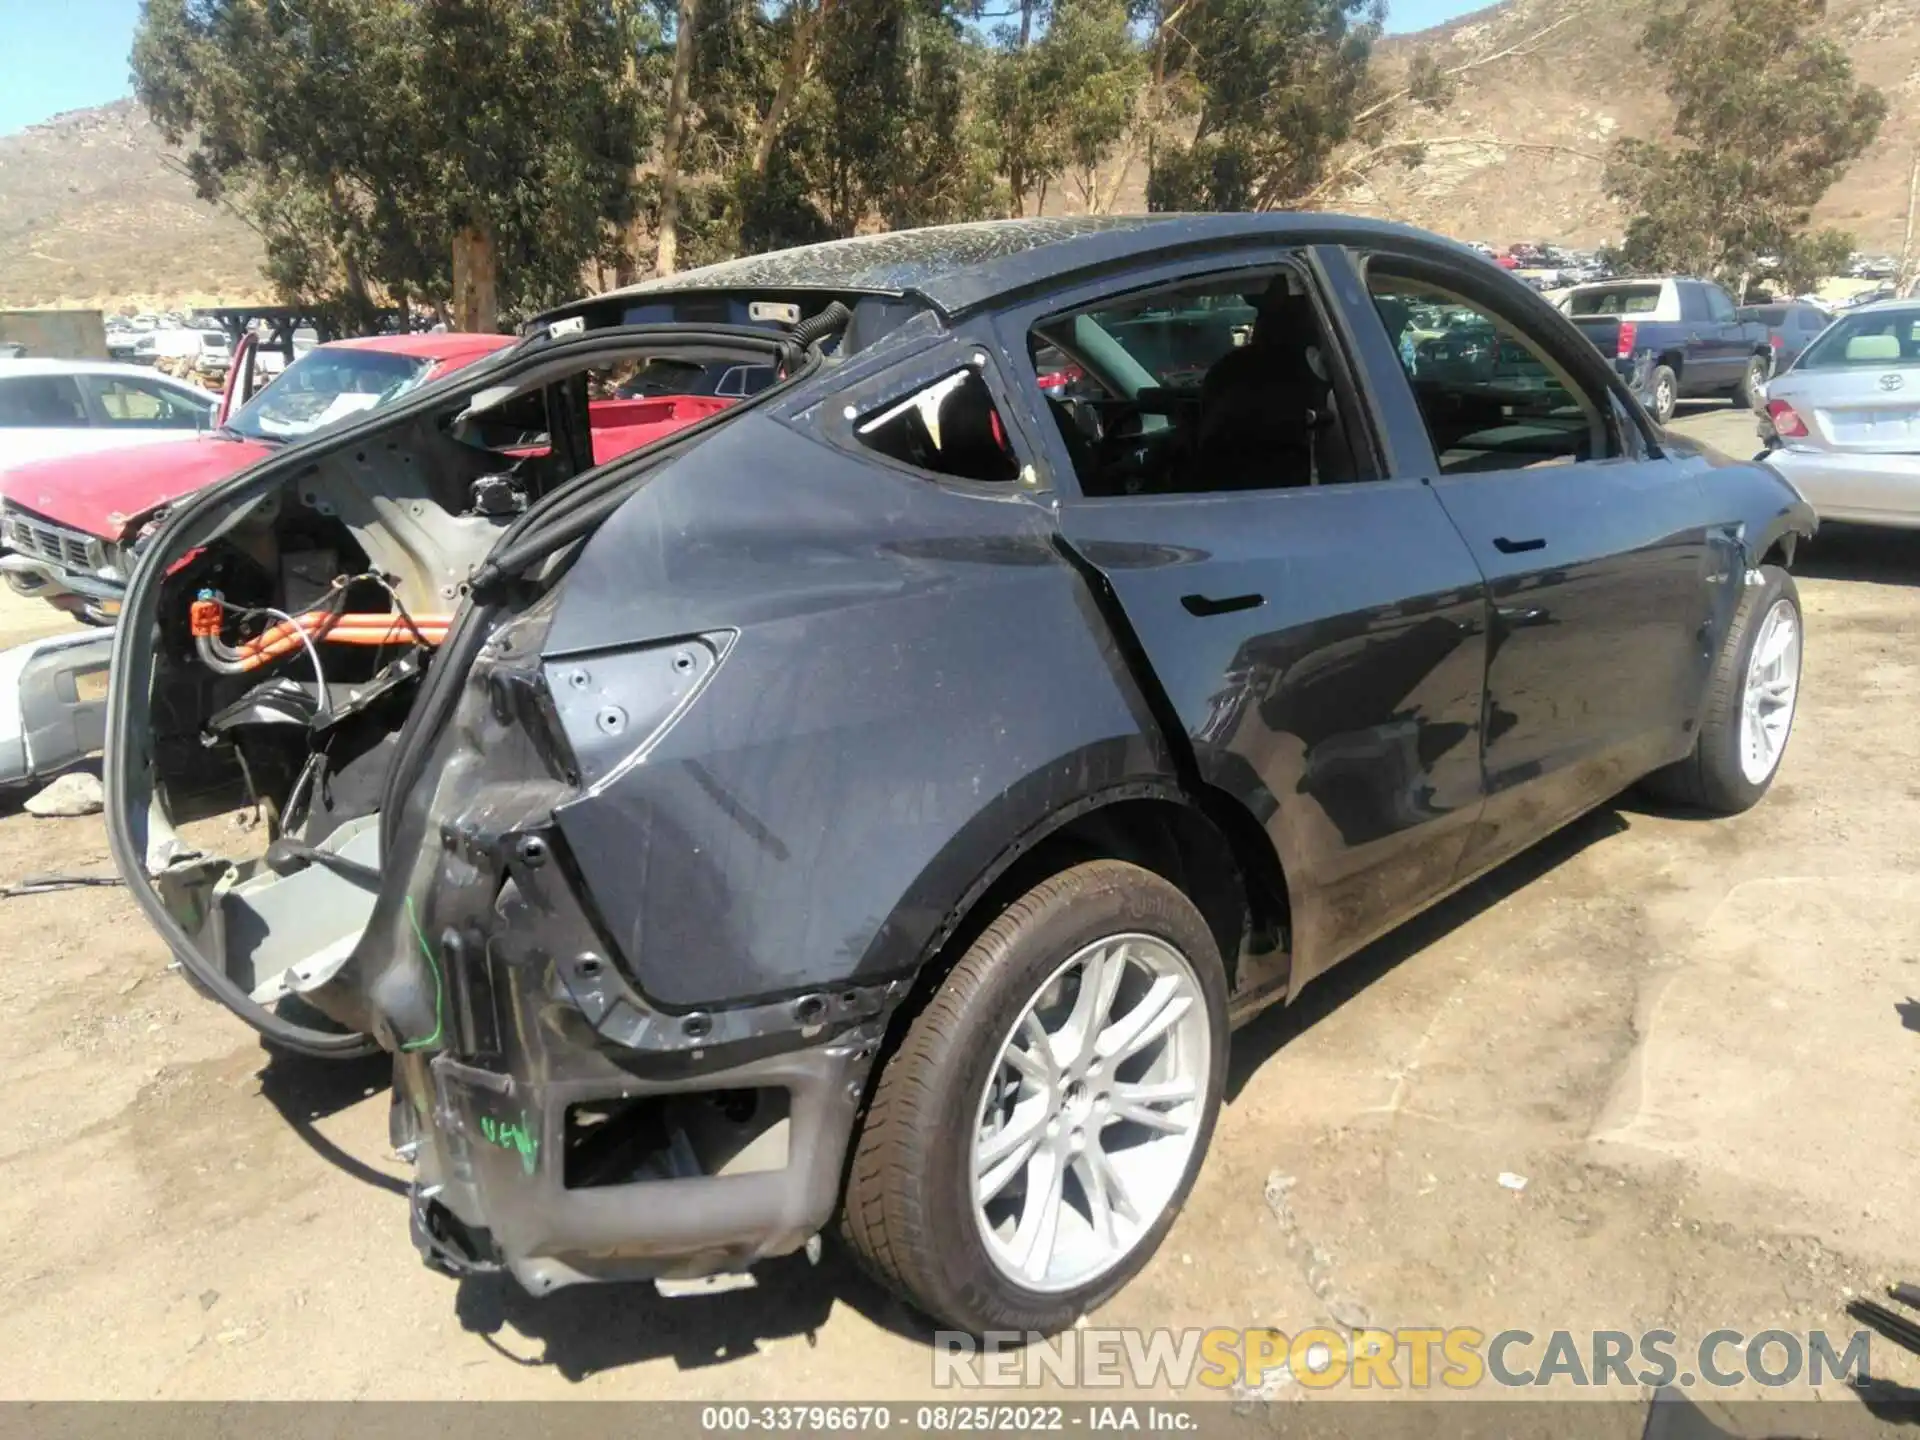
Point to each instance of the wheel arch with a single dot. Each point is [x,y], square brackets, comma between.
[1201,840]
[1776,539]
[1779,550]
[1205,843]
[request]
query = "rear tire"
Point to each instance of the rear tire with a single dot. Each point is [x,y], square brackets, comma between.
[1663,393]
[1752,696]
[1756,376]
[999,1108]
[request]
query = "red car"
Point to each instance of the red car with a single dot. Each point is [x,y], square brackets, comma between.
[72,528]
[69,525]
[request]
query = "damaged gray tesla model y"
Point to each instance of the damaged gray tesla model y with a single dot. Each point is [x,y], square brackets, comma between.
[872,801]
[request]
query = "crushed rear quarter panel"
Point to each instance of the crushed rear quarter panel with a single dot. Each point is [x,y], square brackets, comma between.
[916,675]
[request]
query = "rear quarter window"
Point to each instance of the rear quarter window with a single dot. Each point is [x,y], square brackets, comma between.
[1615,300]
[1889,337]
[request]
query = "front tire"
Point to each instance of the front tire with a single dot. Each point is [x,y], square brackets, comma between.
[1034,1136]
[1752,695]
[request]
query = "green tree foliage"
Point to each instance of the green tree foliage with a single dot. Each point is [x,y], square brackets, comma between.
[388,148]
[884,133]
[1768,116]
[1057,107]
[1276,90]
[363,136]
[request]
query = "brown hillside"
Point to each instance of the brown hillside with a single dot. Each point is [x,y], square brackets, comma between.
[90,215]
[1584,84]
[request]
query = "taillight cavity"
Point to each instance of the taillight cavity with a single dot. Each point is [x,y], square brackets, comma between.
[1787,423]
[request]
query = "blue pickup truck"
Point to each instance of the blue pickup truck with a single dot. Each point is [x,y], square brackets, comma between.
[1673,339]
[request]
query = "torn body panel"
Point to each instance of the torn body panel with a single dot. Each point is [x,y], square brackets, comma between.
[277,636]
[661,858]
[649,866]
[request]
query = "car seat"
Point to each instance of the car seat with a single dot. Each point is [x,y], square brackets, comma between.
[1267,418]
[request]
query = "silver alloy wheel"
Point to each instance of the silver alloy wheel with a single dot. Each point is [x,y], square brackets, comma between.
[1664,399]
[1773,685]
[1088,1120]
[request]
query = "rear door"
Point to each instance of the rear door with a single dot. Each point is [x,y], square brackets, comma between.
[1704,345]
[1310,620]
[1593,547]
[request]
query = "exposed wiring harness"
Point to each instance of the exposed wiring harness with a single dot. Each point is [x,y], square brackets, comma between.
[329,621]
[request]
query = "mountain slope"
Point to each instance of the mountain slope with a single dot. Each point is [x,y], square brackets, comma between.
[91,215]
[1585,83]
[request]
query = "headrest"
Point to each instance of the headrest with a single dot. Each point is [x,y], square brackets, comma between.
[971,439]
[1874,347]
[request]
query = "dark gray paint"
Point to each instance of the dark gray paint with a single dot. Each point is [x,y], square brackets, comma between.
[959,268]
[916,680]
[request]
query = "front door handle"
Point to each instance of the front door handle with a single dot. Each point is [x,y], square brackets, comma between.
[1205,605]
[1517,547]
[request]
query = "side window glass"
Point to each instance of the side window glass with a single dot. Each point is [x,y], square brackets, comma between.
[136,405]
[949,428]
[1718,305]
[1221,384]
[41,402]
[1492,396]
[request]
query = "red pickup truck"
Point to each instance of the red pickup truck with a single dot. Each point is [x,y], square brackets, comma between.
[72,528]
[70,525]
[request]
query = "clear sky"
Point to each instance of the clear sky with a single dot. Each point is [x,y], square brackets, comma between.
[1402,15]
[61,55]
[66,54]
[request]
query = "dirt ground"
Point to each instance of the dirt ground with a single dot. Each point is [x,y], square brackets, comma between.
[1698,1041]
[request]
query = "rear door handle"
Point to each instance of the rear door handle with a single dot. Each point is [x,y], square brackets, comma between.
[1205,605]
[1516,547]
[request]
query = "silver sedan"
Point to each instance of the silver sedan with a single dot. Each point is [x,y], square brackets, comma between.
[1843,424]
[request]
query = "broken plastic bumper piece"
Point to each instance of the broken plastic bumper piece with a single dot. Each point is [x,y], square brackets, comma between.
[621,1178]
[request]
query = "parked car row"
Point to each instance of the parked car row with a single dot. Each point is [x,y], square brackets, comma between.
[187,347]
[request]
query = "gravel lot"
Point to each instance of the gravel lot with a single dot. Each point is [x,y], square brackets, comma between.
[1697,1040]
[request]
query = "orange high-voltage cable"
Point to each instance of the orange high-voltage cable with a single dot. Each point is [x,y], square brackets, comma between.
[284,639]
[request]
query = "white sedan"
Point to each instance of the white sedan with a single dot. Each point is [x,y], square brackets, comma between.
[1843,423]
[51,408]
